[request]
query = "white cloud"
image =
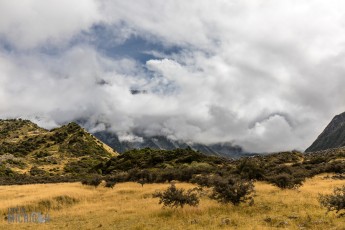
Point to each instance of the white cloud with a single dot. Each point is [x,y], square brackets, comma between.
[31,23]
[267,75]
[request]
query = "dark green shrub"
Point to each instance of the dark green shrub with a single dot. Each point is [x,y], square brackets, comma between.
[35,171]
[82,166]
[110,184]
[142,182]
[335,201]
[174,197]
[41,154]
[6,172]
[230,190]
[249,169]
[92,181]
[286,181]
[202,180]
[339,176]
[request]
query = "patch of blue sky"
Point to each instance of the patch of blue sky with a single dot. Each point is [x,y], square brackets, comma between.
[6,46]
[115,42]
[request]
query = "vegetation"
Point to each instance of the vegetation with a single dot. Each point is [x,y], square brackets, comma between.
[110,183]
[31,155]
[29,152]
[92,181]
[152,158]
[76,142]
[286,181]
[174,197]
[335,201]
[83,165]
[35,171]
[235,191]
[130,206]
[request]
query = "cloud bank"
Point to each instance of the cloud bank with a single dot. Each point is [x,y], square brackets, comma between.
[266,75]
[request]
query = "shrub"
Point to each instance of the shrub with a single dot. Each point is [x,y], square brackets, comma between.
[202,180]
[174,197]
[286,181]
[6,172]
[229,190]
[83,165]
[110,184]
[93,181]
[142,182]
[335,201]
[249,169]
[35,171]
[41,154]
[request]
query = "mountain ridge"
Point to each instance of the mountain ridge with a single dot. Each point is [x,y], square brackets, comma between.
[333,136]
[164,143]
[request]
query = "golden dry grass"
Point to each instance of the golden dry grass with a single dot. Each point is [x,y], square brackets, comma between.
[129,206]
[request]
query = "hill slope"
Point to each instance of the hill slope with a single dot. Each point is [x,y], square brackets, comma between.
[25,147]
[332,137]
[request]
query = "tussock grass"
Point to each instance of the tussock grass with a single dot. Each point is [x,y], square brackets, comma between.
[131,206]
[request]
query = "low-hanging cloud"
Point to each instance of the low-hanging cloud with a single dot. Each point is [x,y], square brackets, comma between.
[266,75]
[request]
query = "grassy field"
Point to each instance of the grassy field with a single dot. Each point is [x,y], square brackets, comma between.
[130,206]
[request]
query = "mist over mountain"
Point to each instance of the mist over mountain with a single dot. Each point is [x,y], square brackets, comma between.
[333,135]
[164,143]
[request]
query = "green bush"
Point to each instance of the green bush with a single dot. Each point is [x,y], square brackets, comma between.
[92,181]
[249,169]
[286,181]
[110,182]
[230,190]
[335,201]
[6,172]
[174,197]
[42,154]
[35,171]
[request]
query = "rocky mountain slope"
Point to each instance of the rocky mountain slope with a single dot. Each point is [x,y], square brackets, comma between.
[332,137]
[27,148]
[164,143]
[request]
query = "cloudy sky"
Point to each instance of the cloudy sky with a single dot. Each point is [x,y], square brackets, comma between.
[267,75]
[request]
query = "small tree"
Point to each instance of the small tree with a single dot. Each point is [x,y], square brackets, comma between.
[229,190]
[335,201]
[142,182]
[174,197]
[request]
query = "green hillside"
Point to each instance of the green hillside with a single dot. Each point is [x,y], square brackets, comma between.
[27,148]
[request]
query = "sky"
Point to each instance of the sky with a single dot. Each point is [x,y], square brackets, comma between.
[266,75]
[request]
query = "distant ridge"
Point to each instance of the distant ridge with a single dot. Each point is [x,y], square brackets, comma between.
[332,137]
[164,143]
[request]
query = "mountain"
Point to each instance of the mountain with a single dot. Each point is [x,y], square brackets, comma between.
[164,143]
[28,148]
[31,154]
[332,137]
